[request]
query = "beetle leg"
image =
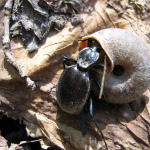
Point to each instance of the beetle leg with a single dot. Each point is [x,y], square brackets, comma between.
[91,115]
[86,115]
[67,60]
[99,66]
[91,107]
[101,134]
[89,42]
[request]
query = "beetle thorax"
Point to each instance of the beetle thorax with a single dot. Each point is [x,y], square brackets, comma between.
[87,58]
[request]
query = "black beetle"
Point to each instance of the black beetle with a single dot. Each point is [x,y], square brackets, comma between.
[74,85]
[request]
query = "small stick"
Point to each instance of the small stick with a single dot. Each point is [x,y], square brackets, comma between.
[103,78]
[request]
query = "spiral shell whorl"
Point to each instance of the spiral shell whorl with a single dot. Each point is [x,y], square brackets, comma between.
[128,50]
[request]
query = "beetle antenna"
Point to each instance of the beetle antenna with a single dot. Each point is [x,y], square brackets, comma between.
[103,78]
[101,134]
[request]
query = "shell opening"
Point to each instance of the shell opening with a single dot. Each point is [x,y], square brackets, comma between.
[118,70]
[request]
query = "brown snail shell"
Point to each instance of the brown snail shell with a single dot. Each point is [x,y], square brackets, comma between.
[128,64]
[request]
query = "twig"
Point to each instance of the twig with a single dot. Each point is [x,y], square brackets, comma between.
[103,78]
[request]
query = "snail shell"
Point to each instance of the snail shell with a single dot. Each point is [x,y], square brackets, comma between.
[128,68]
